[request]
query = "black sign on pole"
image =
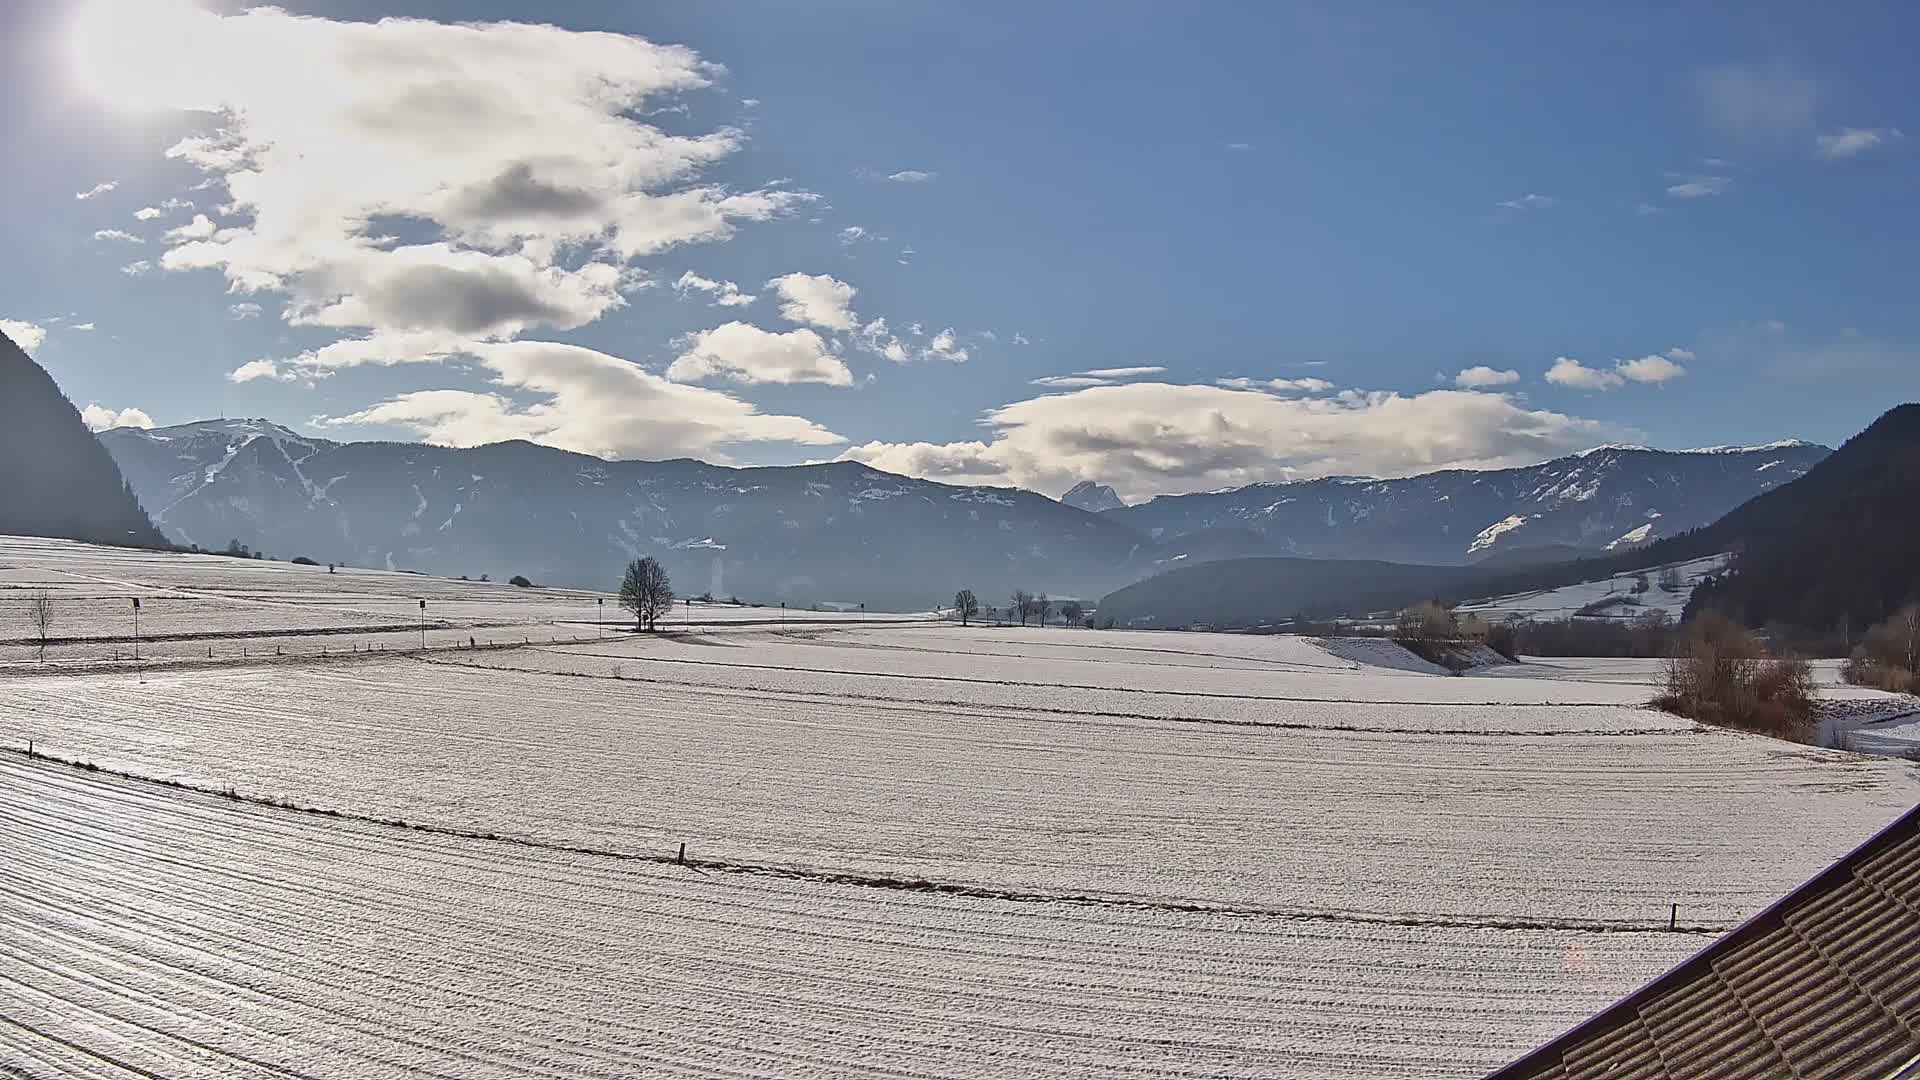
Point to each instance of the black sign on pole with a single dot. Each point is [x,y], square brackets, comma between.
[136,628]
[423,623]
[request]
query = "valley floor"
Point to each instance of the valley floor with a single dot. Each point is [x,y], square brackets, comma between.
[912,848]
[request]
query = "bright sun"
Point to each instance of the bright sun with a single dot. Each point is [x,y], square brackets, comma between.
[143,54]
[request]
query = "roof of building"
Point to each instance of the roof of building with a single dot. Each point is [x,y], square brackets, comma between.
[1825,983]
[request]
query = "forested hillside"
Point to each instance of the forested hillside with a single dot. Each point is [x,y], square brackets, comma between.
[1838,548]
[55,477]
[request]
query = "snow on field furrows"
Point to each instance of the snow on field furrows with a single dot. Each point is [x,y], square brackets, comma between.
[921,850]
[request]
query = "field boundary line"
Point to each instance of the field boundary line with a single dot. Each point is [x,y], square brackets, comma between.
[905,884]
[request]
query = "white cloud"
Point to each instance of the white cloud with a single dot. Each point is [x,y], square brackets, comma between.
[913,176]
[724,293]
[1530,202]
[815,300]
[200,228]
[1124,372]
[1482,376]
[148,213]
[1151,438]
[1654,368]
[136,267]
[1756,104]
[243,310]
[1697,185]
[945,345]
[1307,385]
[1848,142]
[1070,381]
[98,417]
[121,235]
[386,349]
[591,402]
[81,326]
[747,354]
[24,334]
[259,369]
[854,234]
[1098,377]
[100,188]
[1020,338]
[1566,371]
[515,177]
[1241,146]
[1647,209]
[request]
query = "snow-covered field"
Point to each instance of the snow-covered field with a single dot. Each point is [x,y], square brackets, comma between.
[213,606]
[919,850]
[1616,591]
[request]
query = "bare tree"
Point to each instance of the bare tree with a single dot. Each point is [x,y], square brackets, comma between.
[1640,584]
[1670,579]
[40,619]
[1429,620]
[646,591]
[1021,604]
[1040,608]
[966,605]
[1072,612]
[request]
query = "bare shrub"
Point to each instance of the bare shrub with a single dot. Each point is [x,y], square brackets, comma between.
[1721,675]
[1888,657]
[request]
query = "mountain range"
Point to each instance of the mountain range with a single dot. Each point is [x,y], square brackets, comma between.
[832,533]
[1816,560]
[847,533]
[1605,499]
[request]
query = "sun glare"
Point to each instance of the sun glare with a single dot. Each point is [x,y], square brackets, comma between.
[143,54]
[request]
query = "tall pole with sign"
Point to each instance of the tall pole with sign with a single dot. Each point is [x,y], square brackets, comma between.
[423,625]
[136,628]
[600,616]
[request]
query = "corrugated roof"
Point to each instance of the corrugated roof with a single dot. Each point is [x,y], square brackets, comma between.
[1823,984]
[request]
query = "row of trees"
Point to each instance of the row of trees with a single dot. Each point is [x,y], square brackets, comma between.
[1022,605]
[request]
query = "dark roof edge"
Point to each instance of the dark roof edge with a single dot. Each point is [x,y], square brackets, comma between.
[1833,875]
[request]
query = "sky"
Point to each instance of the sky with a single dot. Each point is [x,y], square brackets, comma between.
[1168,247]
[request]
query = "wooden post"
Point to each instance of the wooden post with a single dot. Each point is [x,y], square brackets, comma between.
[1673,918]
[683,853]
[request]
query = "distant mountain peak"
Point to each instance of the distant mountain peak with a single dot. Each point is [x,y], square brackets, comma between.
[1093,497]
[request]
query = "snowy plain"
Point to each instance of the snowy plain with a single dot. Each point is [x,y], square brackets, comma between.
[919,849]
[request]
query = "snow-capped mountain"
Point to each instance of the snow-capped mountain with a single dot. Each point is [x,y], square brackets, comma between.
[811,533]
[849,533]
[1608,498]
[1092,497]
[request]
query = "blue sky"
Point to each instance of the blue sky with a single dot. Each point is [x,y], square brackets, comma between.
[1311,218]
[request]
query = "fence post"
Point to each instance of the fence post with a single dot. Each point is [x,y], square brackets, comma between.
[1673,918]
